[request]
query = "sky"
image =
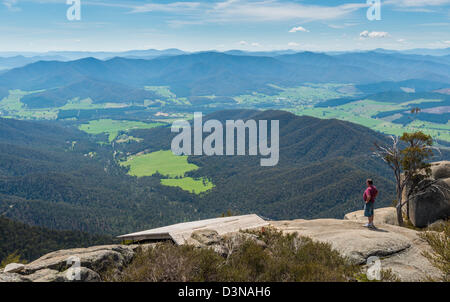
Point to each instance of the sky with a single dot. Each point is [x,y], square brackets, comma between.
[197,25]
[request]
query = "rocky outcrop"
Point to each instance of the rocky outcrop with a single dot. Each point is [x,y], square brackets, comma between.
[400,249]
[224,245]
[70,275]
[98,259]
[382,216]
[12,277]
[14,268]
[85,264]
[434,204]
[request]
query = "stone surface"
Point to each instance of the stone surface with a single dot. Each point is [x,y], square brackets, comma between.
[181,233]
[382,216]
[84,274]
[432,206]
[45,275]
[206,237]
[441,170]
[14,268]
[70,275]
[55,267]
[99,258]
[223,245]
[12,277]
[400,249]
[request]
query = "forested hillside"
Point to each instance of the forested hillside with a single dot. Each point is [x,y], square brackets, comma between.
[98,91]
[58,177]
[32,242]
[321,173]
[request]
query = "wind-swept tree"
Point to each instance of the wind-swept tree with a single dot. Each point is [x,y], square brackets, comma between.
[410,167]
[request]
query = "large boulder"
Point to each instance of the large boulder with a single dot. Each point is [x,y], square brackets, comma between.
[399,249]
[12,277]
[223,245]
[84,264]
[97,258]
[81,274]
[382,216]
[14,268]
[45,275]
[206,237]
[434,204]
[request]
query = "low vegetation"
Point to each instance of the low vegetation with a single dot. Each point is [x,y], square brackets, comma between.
[439,241]
[114,127]
[12,258]
[286,258]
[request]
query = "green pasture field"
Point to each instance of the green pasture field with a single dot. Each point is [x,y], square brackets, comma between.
[309,94]
[12,107]
[192,185]
[113,127]
[362,112]
[172,167]
[163,162]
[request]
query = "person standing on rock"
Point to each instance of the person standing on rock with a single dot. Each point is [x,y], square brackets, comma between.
[370,194]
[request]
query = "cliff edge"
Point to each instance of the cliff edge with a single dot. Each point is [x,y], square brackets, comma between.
[399,249]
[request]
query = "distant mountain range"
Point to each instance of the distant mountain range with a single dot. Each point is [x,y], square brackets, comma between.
[212,73]
[73,55]
[24,57]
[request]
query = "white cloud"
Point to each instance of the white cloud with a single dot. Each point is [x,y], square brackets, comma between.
[439,44]
[298,28]
[245,43]
[293,44]
[231,10]
[417,6]
[272,10]
[249,11]
[166,7]
[417,3]
[373,34]
[11,5]
[435,24]
[364,34]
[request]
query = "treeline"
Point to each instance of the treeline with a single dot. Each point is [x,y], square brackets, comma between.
[48,178]
[425,117]
[32,242]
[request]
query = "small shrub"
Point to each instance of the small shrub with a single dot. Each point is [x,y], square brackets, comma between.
[12,258]
[167,262]
[387,275]
[280,258]
[440,250]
